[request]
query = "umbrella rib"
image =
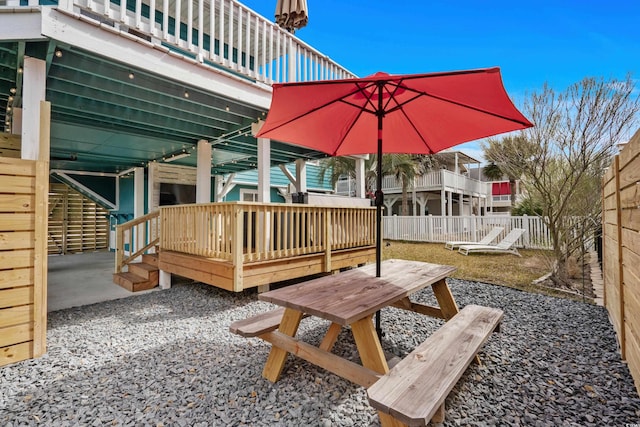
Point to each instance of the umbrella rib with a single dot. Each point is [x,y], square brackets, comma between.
[313,110]
[451,101]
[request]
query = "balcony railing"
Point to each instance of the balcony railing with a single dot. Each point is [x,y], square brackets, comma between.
[502,198]
[433,181]
[214,32]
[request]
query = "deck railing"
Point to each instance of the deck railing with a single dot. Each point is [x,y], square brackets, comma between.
[247,232]
[216,32]
[136,237]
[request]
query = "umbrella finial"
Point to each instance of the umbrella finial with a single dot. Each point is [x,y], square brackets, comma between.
[291,14]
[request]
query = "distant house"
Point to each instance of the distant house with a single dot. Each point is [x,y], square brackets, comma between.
[449,190]
[500,203]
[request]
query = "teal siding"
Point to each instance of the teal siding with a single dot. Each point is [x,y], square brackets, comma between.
[234,194]
[278,178]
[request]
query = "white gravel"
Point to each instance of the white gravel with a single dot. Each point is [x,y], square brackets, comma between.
[167,359]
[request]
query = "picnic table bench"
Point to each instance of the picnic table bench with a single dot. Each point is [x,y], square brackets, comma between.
[350,299]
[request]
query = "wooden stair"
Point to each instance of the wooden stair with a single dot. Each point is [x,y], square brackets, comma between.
[141,275]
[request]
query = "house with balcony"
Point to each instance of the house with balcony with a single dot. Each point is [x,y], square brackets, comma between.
[147,107]
[447,190]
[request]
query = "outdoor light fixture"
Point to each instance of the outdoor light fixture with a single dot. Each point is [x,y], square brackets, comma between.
[58,53]
[186,94]
[12,90]
[20,70]
[131,75]
[176,156]
[227,108]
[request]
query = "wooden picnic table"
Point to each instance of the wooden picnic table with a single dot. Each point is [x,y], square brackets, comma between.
[349,298]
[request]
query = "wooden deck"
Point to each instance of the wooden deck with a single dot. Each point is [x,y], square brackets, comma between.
[235,246]
[221,273]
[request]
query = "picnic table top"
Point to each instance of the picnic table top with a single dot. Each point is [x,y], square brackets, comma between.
[354,294]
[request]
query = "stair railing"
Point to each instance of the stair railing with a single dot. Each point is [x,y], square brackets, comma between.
[136,237]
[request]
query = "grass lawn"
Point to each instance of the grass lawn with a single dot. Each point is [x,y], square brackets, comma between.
[500,269]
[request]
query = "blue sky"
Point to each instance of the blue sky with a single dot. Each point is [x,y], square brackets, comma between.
[559,42]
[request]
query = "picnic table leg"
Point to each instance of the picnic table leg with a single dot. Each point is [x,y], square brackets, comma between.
[445,299]
[277,357]
[372,357]
[330,337]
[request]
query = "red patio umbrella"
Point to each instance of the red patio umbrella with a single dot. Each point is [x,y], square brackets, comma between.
[382,113]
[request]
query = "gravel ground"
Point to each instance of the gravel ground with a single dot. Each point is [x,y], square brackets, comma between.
[167,359]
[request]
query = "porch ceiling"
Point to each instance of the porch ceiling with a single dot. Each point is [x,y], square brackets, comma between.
[108,117]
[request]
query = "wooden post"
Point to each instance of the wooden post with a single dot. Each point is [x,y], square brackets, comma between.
[327,240]
[40,242]
[603,240]
[237,254]
[616,171]
[40,260]
[119,248]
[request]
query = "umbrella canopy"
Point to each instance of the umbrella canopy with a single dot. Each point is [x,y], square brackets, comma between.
[422,114]
[291,14]
[382,113]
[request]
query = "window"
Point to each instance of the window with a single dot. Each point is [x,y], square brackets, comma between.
[248,195]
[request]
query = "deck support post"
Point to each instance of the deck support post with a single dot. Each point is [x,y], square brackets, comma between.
[360,178]
[301,176]
[203,176]
[33,91]
[164,280]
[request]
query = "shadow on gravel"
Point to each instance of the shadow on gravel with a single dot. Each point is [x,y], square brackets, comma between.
[167,358]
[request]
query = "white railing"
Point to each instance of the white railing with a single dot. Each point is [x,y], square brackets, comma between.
[465,228]
[218,32]
[437,180]
[455,182]
[502,198]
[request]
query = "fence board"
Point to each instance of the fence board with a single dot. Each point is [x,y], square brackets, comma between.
[16,334]
[16,240]
[633,355]
[16,277]
[16,203]
[16,221]
[16,296]
[16,315]
[18,258]
[631,173]
[18,184]
[630,197]
[16,353]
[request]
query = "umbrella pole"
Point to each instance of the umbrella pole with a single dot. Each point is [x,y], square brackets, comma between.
[379,201]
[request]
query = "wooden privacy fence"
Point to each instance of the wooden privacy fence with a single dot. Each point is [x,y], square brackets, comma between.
[621,248]
[465,228]
[23,259]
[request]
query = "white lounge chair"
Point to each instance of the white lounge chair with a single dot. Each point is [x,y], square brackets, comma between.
[490,237]
[506,245]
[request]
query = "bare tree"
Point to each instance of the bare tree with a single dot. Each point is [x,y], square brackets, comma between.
[561,160]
